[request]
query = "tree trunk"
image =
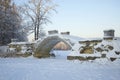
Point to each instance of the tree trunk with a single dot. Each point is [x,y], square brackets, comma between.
[35,33]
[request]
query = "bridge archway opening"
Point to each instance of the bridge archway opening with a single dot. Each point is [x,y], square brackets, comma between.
[49,43]
[61,46]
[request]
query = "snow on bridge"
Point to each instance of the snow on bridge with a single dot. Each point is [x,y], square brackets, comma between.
[44,46]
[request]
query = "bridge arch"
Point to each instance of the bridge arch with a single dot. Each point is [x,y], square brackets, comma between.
[45,46]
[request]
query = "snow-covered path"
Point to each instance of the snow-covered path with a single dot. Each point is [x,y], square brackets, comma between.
[57,69]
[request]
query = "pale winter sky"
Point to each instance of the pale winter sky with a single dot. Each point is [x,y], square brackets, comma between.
[85,18]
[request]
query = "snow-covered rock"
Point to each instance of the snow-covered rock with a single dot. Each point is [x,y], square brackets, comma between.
[12,50]
[76,53]
[25,49]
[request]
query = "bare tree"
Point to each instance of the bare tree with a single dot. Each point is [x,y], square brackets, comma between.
[37,12]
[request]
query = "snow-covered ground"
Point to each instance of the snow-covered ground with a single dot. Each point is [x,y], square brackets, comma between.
[58,69]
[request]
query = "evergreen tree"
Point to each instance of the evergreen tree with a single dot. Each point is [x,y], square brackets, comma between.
[10,22]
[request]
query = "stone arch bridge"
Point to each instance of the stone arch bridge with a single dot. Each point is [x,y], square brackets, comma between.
[46,45]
